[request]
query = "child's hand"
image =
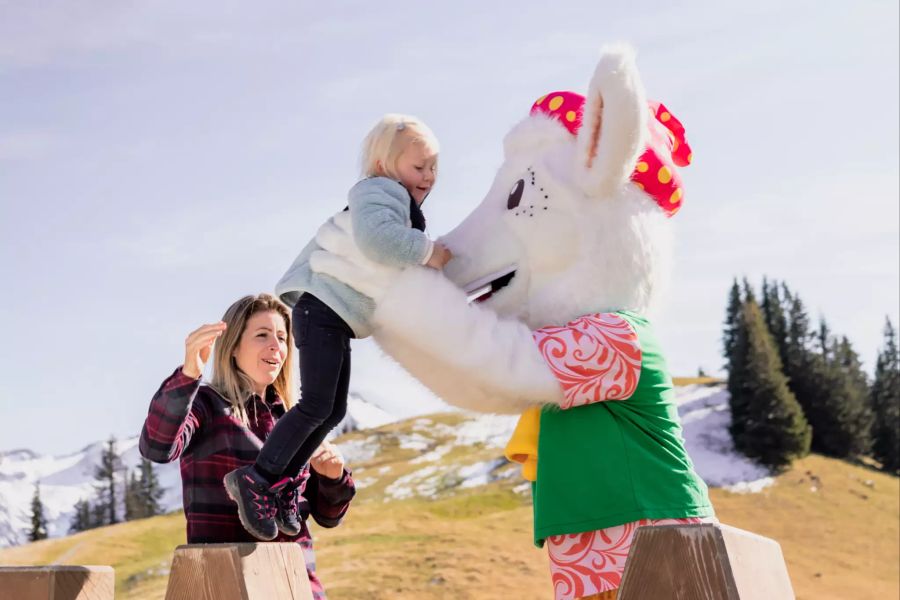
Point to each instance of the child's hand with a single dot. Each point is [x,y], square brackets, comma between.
[327,461]
[197,347]
[440,256]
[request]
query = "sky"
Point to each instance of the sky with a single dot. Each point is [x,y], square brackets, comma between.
[158,160]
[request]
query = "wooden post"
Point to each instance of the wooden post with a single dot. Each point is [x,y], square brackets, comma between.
[707,561]
[57,583]
[269,571]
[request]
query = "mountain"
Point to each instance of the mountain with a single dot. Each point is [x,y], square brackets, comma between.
[433,439]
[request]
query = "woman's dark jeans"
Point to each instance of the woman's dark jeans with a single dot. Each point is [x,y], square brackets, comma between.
[323,343]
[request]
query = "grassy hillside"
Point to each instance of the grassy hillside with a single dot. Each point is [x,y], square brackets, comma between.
[837,523]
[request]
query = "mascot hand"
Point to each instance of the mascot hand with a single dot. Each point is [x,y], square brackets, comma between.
[342,259]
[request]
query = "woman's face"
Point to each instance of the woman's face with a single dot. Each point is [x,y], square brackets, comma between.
[262,349]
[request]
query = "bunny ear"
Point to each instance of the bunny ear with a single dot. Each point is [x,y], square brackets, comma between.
[613,124]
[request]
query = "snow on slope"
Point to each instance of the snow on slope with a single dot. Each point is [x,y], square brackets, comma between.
[66,479]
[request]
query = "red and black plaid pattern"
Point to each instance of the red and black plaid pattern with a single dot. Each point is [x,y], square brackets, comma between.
[193,423]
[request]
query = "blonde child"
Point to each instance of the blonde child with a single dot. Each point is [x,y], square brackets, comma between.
[399,164]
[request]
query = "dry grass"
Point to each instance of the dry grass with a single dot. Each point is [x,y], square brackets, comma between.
[471,547]
[838,525]
[840,539]
[139,551]
[679,381]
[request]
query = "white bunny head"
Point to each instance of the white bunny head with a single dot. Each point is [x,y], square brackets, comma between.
[576,219]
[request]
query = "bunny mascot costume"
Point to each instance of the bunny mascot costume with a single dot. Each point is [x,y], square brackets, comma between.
[565,255]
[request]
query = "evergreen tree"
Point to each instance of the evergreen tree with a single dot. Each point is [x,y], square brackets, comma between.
[99,515]
[81,520]
[885,402]
[846,432]
[151,490]
[732,317]
[823,338]
[38,520]
[737,372]
[776,321]
[133,504]
[798,336]
[767,422]
[105,474]
[749,296]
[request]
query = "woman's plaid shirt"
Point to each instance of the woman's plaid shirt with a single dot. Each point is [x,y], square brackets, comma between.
[193,423]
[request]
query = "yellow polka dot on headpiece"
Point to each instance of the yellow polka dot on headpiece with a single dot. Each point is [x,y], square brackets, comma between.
[556,102]
[664,175]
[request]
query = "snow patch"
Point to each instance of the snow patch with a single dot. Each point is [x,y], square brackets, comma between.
[433,456]
[415,441]
[750,487]
[705,417]
[483,473]
[493,431]
[356,451]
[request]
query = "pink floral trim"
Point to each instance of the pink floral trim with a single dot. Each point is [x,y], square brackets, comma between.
[588,563]
[595,358]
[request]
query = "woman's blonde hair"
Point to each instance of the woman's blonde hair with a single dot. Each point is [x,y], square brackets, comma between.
[227,379]
[389,138]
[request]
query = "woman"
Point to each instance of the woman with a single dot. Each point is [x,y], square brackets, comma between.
[216,428]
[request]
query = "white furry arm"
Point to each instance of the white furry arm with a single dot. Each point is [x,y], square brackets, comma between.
[342,259]
[464,353]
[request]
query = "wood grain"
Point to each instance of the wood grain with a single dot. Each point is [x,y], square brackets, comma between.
[57,583]
[271,571]
[704,562]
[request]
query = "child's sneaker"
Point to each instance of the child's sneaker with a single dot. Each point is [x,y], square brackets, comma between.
[255,501]
[287,519]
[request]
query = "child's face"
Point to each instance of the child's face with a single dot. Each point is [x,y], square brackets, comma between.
[417,168]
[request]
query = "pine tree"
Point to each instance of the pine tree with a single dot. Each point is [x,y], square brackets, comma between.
[99,514]
[850,405]
[151,490]
[823,337]
[776,321]
[105,474]
[736,343]
[767,422]
[885,402]
[798,336]
[749,296]
[81,520]
[38,520]
[732,316]
[133,504]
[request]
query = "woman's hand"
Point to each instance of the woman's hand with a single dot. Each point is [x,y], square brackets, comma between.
[197,346]
[327,461]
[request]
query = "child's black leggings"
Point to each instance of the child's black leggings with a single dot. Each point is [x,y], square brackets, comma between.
[323,343]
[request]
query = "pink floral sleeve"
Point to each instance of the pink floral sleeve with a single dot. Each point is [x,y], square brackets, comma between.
[595,358]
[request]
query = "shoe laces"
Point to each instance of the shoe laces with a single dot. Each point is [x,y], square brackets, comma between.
[287,494]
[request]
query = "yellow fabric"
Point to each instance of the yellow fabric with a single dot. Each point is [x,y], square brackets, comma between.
[523,445]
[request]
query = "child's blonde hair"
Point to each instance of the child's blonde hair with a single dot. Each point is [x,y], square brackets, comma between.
[389,138]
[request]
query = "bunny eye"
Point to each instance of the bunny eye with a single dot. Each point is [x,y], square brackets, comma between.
[515,195]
